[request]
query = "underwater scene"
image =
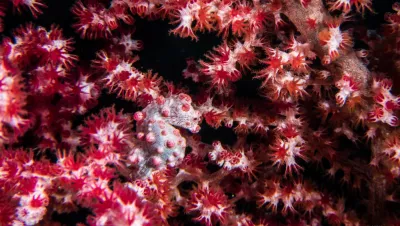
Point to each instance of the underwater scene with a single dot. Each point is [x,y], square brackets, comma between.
[199,112]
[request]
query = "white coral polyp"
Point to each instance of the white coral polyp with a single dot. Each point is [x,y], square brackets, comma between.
[29,215]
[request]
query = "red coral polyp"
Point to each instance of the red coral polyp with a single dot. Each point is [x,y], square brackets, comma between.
[110,131]
[211,205]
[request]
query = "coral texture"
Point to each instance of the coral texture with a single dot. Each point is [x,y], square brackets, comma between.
[307,90]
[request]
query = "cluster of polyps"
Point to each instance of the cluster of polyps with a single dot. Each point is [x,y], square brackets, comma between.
[346,5]
[12,104]
[386,103]
[121,77]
